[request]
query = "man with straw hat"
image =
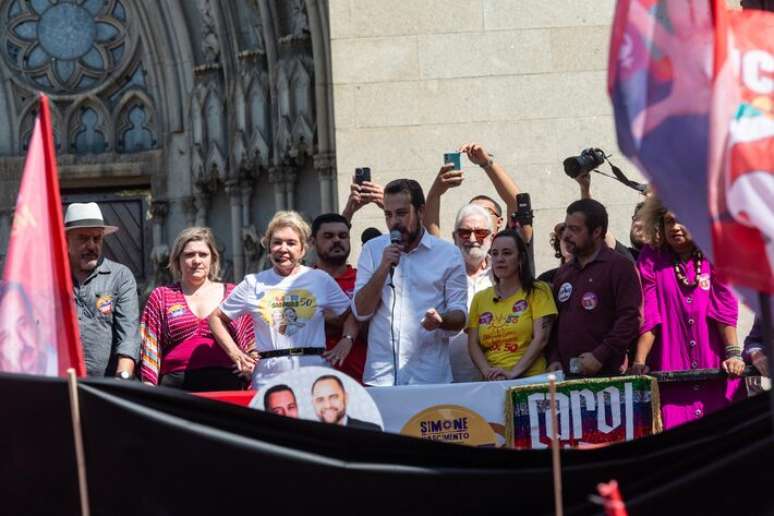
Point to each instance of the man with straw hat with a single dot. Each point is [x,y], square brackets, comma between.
[105,296]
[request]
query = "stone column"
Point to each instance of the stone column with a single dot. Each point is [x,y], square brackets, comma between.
[276,178]
[202,196]
[235,200]
[188,205]
[5,233]
[290,188]
[325,165]
[160,253]
[246,190]
[159,211]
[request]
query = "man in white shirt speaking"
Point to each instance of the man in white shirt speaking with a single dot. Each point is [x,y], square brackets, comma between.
[413,288]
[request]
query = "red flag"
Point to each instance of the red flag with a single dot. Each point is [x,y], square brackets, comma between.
[741,194]
[38,324]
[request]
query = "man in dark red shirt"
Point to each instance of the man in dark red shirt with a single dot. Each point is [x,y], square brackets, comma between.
[599,297]
[330,238]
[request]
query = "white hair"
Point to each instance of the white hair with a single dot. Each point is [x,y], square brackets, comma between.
[473,209]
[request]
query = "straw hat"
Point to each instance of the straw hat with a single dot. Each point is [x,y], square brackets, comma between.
[86,215]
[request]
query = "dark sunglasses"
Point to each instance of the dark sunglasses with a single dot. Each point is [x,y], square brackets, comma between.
[480,233]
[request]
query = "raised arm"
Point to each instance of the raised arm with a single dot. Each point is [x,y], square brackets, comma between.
[360,195]
[446,178]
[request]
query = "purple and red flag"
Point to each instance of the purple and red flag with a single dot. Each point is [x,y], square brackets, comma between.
[699,128]
[38,324]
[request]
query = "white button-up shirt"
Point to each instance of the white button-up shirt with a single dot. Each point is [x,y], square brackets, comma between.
[432,275]
[463,368]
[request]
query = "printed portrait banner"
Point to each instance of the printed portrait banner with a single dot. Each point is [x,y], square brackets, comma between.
[449,412]
[319,394]
[590,412]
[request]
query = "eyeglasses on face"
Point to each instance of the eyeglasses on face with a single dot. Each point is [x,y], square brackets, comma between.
[481,234]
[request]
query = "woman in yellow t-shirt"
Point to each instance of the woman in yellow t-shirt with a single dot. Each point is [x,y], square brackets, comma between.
[509,323]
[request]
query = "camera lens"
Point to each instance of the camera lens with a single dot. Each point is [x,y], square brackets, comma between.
[587,161]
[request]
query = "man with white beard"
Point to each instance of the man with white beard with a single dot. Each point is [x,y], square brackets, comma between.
[473,232]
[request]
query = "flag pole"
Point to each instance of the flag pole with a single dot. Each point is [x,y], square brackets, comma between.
[555,459]
[75,412]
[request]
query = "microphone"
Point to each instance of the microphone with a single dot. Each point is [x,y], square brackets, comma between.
[496,299]
[395,238]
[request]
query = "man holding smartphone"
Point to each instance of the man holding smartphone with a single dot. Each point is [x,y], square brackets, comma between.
[450,176]
[361,192]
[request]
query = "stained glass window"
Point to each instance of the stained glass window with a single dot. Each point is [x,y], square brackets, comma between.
[65,46]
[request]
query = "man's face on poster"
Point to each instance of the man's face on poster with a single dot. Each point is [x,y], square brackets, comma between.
[282,403]
[19,334]
[330,401]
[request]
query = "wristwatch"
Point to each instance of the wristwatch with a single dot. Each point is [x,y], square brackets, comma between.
[123,375]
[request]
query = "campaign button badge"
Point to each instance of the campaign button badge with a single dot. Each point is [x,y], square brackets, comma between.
[589,301]
[520,306]
[565,291]
[175,310]
[704,281]
[485,318]
[105,304]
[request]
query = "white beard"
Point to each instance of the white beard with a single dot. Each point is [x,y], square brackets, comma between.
[474,256]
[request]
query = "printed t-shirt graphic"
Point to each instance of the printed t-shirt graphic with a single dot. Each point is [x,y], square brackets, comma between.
[287,311]
[505,328]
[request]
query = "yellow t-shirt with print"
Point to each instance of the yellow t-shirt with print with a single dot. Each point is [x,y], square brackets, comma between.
[505,328]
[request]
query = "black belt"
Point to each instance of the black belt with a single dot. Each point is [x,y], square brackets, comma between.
[291,352]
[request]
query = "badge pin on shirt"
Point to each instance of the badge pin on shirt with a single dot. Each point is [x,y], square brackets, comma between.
[589,301]
[565,291]
[104,304]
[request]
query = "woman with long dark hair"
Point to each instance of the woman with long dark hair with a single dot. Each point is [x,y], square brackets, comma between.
[689,320]
[509,323]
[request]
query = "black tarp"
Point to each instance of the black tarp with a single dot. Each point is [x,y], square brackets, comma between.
[155,451]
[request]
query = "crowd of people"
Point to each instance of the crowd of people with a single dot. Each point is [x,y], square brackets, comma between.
[419,309]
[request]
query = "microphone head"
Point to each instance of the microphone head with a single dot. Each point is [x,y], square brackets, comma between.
[395,236]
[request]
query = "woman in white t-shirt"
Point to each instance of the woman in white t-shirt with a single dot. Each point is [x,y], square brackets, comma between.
[287,304]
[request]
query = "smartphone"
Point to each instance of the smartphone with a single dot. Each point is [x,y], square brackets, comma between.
[362,174]
[523,214]
[454,158]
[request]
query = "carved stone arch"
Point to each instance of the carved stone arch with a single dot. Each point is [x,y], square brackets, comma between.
[214,115]
[239,105]
[10,132]
[198,126]
[259,116]
[79,120]
[302,105]
[125,120]
[27,122]
[168,42]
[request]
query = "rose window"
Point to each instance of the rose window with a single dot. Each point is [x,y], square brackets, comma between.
[65,46]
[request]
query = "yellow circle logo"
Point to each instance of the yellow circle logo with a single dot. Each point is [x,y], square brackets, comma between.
[451,424]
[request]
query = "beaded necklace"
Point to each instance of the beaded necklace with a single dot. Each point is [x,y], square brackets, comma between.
[681,273]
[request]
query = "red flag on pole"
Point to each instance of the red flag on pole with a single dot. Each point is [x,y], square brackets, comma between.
[38,324]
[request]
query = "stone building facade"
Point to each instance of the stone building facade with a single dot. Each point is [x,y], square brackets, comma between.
[220,112]
[172,113]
